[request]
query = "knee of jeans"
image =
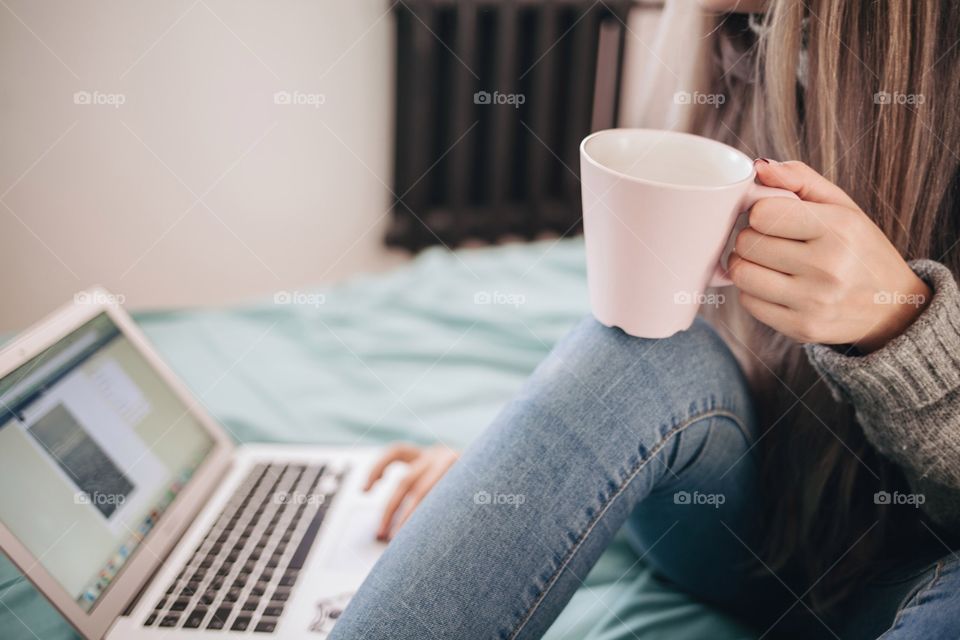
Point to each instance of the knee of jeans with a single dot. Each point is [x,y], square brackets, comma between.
[601,353]
[605,364]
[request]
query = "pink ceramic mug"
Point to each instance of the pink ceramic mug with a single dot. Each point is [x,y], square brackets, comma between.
[658,209]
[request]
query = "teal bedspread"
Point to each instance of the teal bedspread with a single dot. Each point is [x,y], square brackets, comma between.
[428,352]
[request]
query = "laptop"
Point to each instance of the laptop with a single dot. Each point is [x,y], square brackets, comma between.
[134,512]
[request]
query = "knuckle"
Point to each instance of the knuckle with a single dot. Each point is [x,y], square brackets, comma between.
[392,452]
[745,241]
[398,449]
[823,299]
[759,214]
[735,271]
[842,269]
[750,304]
[843,226]
[835,267]
[847,226]
[830,274]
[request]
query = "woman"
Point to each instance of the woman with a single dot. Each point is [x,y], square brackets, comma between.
[796,460]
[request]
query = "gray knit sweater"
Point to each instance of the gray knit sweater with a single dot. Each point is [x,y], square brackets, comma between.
[907,396]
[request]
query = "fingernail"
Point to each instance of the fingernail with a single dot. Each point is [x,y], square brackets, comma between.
[763,160]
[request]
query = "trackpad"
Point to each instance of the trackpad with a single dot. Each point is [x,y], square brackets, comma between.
[353,547]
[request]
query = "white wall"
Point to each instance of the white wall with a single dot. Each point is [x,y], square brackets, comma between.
[199,188]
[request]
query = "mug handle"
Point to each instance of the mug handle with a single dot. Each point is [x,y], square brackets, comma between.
[756,192]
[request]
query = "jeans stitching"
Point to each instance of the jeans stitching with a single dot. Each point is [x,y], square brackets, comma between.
[654,450]
[914,600]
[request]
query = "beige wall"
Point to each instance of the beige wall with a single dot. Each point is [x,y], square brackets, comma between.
[199,188]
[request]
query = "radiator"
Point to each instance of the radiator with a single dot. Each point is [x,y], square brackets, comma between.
[492,100]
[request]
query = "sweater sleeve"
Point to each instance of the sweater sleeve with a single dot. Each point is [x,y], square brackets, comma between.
[907,394]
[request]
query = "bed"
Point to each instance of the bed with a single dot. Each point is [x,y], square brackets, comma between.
[429,351]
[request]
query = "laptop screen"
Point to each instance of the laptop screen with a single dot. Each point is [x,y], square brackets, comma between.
[94,447]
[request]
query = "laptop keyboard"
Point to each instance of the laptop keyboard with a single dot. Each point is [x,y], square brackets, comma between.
[241,575]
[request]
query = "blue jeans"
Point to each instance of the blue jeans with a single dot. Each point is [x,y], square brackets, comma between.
[610,432]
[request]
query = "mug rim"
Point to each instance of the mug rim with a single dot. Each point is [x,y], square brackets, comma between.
[657,183]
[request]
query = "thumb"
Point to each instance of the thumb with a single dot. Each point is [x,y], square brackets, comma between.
[802,180]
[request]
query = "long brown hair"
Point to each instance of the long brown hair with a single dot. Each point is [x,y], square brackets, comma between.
[868,94]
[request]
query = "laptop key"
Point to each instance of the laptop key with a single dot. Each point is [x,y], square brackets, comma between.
[170,621]
[179,604]
[220,617]
[241,623]
[266,626]
[194,620]
[150,619]
[274,609]
[306,542]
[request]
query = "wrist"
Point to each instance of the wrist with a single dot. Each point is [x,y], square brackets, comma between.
[898,310]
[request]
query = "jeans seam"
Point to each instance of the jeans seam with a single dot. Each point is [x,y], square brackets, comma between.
[654,450]
[914,600]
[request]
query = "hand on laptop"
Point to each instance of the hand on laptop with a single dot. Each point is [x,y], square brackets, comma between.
[427,466]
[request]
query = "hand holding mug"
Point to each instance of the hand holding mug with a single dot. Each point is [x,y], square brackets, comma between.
[818,269]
